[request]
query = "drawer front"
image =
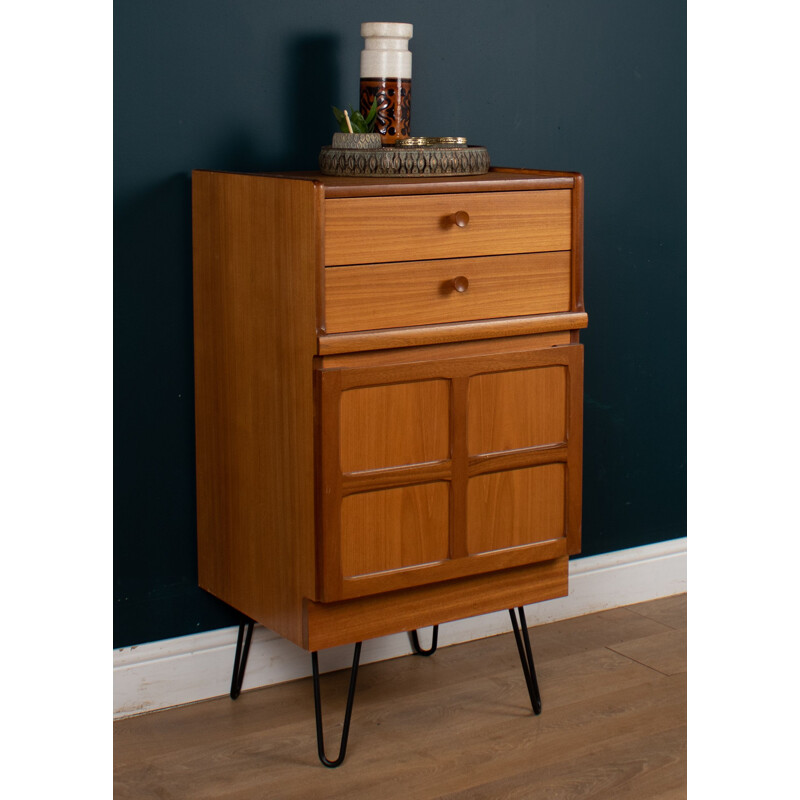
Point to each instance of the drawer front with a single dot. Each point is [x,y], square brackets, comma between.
[366,230]
[369,297]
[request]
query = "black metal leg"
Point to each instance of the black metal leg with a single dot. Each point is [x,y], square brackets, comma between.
[526,657]
[240,659]
[348,712]
[415,642]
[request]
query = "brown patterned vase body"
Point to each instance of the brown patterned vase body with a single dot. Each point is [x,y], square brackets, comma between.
[394,106]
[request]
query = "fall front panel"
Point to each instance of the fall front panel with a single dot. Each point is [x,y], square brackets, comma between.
[443,468]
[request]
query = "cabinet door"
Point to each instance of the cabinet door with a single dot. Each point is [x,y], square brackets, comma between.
[446,467]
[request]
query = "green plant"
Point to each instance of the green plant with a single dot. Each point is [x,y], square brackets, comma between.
[357,120]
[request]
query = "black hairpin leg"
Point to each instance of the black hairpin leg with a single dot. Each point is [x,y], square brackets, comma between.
[240,659]
[526,657]
[415,642]
[348,712]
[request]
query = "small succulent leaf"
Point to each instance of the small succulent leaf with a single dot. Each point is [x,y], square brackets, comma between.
[372,111]
[339,114]
[358,122]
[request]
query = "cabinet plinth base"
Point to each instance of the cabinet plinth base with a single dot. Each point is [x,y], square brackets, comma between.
[347,621]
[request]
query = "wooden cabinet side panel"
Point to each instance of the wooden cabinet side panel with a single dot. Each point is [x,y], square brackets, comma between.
[256,256]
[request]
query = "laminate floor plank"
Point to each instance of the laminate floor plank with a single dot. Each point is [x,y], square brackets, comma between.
[457,725]
[592,631]
[669,611]
[554,755]
[665,652]
[624,770]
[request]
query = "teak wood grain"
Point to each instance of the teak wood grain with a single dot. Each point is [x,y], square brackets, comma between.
[393,439]
[255,338]
[371,296]
[450,332]
[516,409]
[366,230]
[515,507]
[577,303]
[498,179]
[394,425]
[522,403]
[395,528]
[409,355]
[332,624]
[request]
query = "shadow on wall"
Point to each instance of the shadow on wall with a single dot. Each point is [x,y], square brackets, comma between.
[303,116]
[314,83]
[154,457]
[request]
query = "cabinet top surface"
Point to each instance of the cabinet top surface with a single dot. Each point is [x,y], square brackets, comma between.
[496,180]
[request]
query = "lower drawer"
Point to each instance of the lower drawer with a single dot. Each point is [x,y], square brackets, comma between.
[372,296]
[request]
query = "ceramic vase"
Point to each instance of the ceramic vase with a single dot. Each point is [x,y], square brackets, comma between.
[386,74]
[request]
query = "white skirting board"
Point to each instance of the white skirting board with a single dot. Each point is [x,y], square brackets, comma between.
[198,667]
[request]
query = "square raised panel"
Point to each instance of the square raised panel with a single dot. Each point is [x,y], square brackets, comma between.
[394,425]
[390,529]
[517,409]
[515,507]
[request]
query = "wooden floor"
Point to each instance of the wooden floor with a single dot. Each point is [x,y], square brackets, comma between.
[456,725]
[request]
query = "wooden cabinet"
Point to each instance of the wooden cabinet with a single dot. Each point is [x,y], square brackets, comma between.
[389,396]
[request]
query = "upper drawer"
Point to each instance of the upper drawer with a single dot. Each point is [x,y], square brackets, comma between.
[366,230]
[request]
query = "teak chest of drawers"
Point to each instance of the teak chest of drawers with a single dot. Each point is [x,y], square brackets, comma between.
[388,396]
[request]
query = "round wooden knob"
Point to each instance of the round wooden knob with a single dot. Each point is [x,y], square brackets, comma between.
[461,218]
[461,284]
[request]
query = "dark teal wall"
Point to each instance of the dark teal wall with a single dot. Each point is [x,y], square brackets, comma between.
[596,86]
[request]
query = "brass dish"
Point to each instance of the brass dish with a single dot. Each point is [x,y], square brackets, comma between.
[432,141]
